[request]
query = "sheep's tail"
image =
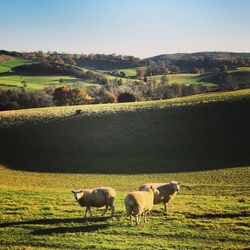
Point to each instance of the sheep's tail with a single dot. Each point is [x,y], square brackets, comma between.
[131,207]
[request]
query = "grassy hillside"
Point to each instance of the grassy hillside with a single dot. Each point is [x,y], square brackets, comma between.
[174,139]
[10,62]
[13,82]
[186,79]
[241,74]
[40,212]
[184,134]
[130,72]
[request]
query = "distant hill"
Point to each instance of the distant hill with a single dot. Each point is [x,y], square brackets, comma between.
[206,60]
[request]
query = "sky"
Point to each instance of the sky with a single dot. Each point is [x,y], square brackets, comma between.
[141,28]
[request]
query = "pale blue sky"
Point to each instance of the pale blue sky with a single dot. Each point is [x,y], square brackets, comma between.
[133,27]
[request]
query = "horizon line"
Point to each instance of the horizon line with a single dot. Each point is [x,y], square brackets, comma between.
[117,54]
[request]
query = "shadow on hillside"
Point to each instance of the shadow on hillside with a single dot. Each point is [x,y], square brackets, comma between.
[71,166]
[195,138]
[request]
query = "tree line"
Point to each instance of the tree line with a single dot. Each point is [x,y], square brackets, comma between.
[113,91]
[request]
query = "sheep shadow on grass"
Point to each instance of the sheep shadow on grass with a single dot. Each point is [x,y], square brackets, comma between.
[62,229]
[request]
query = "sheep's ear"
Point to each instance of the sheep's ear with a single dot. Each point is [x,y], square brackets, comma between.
[72,191]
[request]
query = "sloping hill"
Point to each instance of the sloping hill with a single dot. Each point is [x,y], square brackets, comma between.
[15,70]
[8,62]
[193,133]
[206,60]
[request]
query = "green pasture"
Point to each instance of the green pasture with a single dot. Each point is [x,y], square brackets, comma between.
[38,211]
[201,141]
[6,66]
[185,79]
[130,72]
[242,74]
[13,82]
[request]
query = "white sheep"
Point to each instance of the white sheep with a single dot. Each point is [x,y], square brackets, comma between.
[140,203]
[98,197]
[167,192]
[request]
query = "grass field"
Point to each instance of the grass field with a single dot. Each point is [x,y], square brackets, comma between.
[210,79]
[39,212]
[177,139]
[185,79]
[37,82]
[13,82]
[130,72]
[7,65]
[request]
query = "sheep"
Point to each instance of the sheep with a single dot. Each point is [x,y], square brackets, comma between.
[78,112]
[98,197]
[167,192]
[140,203]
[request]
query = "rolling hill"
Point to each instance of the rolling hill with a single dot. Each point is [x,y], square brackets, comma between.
[184,134]
[206,60]
[11,76]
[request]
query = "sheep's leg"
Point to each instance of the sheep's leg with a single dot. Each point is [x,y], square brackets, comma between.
[137,219]
[165,207]
[85,213]
[106,209]
[145,217]
[131,219]
[91,215]
[113,210]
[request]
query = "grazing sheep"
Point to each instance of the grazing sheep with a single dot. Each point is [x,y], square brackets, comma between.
[140,203]
[167,192]
[98,197]
[78,112]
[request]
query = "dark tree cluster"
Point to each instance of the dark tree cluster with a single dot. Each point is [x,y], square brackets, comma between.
[11,99]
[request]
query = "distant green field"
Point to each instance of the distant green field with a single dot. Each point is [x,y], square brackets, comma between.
[130,72]
[6,66]
[37,210]
[210,79]
[242,74]
[38,82]
[185,79]
[13,82]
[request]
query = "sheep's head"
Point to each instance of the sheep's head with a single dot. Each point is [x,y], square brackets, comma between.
[155,190]
[175,185]
[77,194]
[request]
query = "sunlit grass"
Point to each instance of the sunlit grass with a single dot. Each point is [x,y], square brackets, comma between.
[6,66]
[40,211]
[14,82]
